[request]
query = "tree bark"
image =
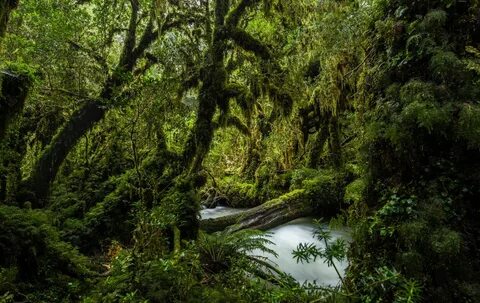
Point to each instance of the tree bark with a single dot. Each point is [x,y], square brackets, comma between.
[268,215]
[52,158]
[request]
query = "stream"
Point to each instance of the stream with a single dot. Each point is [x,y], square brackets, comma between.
[286,238]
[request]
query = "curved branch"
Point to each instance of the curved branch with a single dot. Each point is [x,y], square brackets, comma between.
[236,14]
[249,43]
[234,121]
[91,53]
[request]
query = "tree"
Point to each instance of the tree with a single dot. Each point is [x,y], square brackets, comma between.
[135,46]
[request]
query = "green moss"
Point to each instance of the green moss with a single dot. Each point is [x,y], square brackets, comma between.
[355,191]
[298,176]
[240,194]
[290,196]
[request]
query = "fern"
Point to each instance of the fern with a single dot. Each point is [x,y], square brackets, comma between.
[468,127]
[433,21]
[333,250]
[222,250]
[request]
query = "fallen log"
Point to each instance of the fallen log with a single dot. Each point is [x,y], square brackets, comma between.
[321,196]
[270,214]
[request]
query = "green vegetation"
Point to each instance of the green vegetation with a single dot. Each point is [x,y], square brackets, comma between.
[121,119]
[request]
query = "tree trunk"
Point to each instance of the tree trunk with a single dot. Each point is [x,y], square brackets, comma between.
[211,95]
[317,147]
[334,141]
[268,215]
[52,158]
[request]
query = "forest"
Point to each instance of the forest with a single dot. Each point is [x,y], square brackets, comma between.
[172,150]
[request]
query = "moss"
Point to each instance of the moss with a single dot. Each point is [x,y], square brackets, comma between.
[355,191]
[238,193]
[290,196]
[297,176]
[327,186]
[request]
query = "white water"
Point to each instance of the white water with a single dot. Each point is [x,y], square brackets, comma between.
[219,211]
[286,238]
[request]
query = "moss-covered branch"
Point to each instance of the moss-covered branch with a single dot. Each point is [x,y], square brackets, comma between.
[236,14]
[250,43]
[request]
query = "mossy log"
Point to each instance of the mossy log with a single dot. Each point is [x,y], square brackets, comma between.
[321,196]
[270,214]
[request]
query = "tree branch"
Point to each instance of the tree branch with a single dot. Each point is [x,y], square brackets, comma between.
[126,60]
[236,14]
[234,121]
[148,37]
[234,90]
[90,52]
[249,43]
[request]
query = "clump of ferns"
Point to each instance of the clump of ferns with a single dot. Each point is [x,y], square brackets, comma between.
[223,251]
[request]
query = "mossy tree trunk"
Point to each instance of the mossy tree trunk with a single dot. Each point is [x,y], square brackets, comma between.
[215,91]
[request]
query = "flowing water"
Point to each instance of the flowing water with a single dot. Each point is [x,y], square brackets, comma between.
[286,238]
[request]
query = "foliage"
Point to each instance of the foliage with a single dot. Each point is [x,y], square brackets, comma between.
[139,111]
[35,260]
